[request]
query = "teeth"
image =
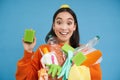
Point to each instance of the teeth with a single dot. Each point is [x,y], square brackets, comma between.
[64,33]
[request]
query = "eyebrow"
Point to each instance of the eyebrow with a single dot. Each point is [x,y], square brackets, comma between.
[61,18]
[58,18]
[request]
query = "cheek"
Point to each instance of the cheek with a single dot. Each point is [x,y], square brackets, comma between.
[56,30]
[56,27]
[72,29]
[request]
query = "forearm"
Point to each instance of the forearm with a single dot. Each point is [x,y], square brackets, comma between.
[95,72]
[93,62]
[23,66]
[28,66]
[92,58]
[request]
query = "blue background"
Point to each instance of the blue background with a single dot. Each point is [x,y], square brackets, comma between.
[95,17]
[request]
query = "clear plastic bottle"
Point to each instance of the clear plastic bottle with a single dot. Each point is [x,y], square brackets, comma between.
[91,43]
[52,40]
[55,47]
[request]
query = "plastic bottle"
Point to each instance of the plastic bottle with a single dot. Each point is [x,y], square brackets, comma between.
[49,56]
[52,40]
[91,43]
[55,47]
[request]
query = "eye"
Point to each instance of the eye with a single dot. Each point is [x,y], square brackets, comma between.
[58,22]
[69,23]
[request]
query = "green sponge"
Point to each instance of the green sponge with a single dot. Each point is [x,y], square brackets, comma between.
[67,48]
[79,58]
[29,35]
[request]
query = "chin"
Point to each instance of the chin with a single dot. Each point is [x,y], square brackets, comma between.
[64,40]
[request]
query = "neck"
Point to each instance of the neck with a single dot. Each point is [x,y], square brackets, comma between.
[63,42]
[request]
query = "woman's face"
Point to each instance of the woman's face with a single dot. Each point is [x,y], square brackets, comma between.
[64,26]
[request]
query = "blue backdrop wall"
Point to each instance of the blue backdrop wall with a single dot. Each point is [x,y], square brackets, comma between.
[95,17]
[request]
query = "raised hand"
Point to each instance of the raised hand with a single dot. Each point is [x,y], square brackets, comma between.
[29,46]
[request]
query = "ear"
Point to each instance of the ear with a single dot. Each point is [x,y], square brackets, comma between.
[74,27]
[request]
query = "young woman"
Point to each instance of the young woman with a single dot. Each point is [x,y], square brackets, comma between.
[65,29]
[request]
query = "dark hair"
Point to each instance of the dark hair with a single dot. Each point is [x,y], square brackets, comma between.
[74,40]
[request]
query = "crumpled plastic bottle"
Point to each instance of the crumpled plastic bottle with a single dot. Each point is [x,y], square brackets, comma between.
[90,44]
[54,46]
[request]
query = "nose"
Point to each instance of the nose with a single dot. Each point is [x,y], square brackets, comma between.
[64,27]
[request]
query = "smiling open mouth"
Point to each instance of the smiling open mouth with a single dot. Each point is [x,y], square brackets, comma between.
[64,33]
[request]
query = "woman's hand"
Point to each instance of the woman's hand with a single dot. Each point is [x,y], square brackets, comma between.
[29,46]
[42,74]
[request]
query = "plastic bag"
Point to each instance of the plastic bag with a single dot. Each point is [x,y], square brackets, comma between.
[79,73]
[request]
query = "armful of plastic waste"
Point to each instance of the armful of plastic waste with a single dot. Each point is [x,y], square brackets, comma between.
[93,56]
[49,62]
[49,58]
[78,58]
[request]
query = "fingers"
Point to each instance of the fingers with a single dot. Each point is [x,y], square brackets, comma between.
[28,45]
[34,38]
[34,41]
[23,40]
[42,74]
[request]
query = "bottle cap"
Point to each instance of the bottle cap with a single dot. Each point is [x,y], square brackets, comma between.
[98,37]
[45,50]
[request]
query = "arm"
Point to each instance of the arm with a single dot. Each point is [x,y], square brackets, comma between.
[28,66]
[95,70]
[92,57]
